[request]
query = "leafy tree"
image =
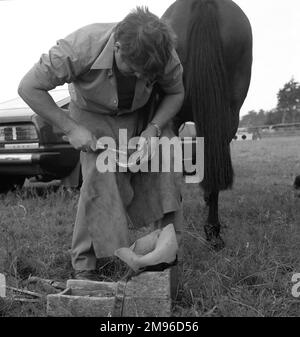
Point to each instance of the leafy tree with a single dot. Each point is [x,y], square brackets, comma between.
[273,117]
[253,118]
[289,102]
[287,110]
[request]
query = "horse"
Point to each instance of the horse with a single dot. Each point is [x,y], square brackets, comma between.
[214,44]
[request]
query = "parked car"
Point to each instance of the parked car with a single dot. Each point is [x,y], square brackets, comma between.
[31,147]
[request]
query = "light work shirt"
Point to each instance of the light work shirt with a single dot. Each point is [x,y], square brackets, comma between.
[85,59]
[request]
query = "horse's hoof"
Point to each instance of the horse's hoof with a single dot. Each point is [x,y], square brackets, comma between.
[217,243]
[213,236]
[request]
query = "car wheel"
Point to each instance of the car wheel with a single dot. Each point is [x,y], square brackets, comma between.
[10,183]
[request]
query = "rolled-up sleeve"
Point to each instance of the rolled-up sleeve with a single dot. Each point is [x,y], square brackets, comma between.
[59,66]
[171,82]
[64,62]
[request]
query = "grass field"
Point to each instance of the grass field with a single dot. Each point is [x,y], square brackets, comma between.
[250,277]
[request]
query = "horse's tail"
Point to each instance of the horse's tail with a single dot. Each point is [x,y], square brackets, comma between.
[208,94]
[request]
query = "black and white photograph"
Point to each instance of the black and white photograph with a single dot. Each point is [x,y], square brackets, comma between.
[149,161]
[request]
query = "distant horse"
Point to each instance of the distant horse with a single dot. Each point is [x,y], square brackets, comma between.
[215,48]
[297,186]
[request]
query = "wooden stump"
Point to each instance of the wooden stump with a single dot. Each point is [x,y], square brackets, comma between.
[146,295]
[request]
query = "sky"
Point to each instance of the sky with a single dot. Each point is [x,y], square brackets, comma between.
[29,28]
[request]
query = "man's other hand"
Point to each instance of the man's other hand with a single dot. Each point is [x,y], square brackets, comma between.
[81,139]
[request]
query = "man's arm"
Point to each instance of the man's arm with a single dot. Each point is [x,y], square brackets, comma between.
[171,84]
[168,108]
[63,64]
[43,104]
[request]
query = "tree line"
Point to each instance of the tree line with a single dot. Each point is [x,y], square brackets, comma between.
[286,111]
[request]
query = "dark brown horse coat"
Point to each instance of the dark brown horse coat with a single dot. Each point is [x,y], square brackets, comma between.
[215,48]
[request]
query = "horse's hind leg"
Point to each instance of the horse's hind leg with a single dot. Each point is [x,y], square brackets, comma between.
[206,198]
[212,227]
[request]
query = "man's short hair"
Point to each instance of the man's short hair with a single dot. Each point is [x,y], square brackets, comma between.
[146,41]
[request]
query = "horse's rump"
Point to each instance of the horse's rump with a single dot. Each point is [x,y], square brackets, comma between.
[208,84]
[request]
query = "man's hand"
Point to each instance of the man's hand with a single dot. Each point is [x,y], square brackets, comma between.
[148,142]
[81,139]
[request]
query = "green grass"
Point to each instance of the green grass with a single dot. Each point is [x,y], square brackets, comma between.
[250,277]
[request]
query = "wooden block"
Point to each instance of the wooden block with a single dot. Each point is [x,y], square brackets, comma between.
[106,289]
[66,304]
[150,285]
[146,295]
[175,279]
